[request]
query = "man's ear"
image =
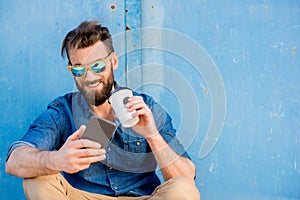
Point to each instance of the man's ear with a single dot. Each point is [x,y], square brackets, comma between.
[115,60]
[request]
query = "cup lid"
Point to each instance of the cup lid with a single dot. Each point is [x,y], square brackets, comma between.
[118,88]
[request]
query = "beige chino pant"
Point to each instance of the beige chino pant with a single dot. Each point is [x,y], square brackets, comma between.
[55,187]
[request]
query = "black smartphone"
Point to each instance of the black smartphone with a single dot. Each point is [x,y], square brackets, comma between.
[99,130]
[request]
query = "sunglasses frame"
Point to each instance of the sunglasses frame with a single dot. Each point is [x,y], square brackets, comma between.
[88,66]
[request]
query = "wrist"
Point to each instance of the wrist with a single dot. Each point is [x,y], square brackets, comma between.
[152,133]
[51,161]
[152,136]
[157,142]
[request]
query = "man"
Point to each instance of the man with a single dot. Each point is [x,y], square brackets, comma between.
[56,164]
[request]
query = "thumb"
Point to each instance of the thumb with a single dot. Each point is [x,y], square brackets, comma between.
[77,134]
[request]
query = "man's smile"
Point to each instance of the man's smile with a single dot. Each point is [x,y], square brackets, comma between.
[93,84]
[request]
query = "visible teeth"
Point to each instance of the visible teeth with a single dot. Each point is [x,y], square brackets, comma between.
[94,85]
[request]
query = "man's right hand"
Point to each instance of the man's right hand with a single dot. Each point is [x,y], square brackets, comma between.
[77,154]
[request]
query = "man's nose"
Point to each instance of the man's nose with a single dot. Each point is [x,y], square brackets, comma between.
[90,75]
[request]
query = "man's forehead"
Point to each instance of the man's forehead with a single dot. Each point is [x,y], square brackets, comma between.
[89,54]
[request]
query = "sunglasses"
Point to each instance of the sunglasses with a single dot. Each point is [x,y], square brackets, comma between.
[96,67]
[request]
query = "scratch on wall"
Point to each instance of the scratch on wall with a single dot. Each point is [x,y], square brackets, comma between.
[277,113]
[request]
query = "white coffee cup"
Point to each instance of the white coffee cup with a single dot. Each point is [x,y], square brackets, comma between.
[118,99]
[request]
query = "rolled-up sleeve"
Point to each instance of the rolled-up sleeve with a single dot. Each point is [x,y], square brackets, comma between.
[45,132]
[16,145]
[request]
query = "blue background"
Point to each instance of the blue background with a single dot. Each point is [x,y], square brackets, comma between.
[254,45]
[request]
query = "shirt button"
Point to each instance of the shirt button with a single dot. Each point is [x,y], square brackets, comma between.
[115,187]
[138,143]
[108,149]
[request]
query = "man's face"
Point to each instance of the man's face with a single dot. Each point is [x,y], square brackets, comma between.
[95,87]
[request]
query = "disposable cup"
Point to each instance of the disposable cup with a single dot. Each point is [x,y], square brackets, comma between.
[118,99]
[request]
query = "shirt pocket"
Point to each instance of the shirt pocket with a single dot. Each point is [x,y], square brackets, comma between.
[139,158]
[138,145]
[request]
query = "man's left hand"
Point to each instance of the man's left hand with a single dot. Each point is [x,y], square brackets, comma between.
[146,125]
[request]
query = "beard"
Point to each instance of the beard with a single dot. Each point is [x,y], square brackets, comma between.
[96,97]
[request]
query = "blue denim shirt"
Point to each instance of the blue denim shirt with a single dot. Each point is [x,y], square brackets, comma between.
[129,167]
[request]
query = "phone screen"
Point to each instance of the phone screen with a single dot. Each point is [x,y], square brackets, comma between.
[99,130]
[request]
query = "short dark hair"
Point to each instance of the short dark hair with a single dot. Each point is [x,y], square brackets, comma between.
[85,35]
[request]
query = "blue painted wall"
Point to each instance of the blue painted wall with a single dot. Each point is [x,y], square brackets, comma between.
[227,71]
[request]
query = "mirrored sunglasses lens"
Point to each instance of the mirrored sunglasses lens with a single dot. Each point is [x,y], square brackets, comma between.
[78,71]
[98,67]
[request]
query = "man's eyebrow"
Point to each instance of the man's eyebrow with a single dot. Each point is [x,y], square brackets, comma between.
[78,64]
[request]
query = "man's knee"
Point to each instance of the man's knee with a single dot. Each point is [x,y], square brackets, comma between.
[38,183]
[186,188]
[43,187]
[180,188]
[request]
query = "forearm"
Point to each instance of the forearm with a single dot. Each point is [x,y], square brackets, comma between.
[27,162]
[170,163]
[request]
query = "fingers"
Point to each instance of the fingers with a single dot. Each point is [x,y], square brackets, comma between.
[77,154]
[85,143]
[81,143]
[99,154]
[136,103]
[85,162]
[85,157]
[81,163]
[77,134]
[93,159]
